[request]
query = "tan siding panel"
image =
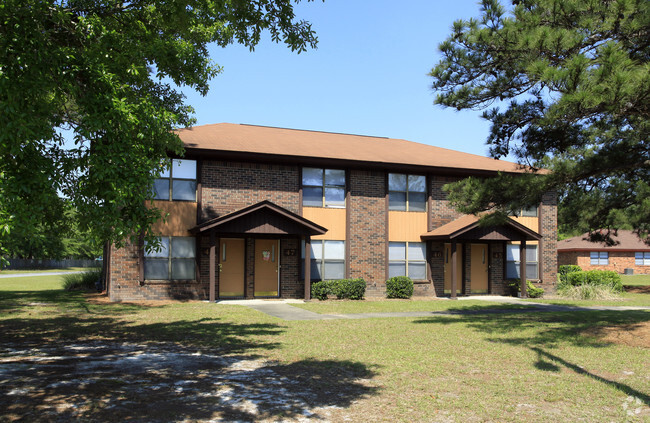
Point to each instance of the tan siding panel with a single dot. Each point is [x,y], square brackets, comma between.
[182,217]
[406,226]
[332,219]
[529,222]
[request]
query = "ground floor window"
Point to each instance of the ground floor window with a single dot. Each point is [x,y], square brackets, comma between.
[327,259]
[513,262]
[407,259]
[642,259]
[175,260]
[599,258]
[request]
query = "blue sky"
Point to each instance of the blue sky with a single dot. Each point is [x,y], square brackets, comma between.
[368,76]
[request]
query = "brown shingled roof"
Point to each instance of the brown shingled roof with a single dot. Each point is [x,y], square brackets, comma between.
[296,144]
[468,222]
[625,241]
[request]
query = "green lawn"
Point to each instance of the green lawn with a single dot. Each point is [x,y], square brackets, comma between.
[531,367]
[636,280]
[626,299]
[394,305]
[66,269]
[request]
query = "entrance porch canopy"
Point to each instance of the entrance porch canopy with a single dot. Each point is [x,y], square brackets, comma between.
[263,218]
[468,228]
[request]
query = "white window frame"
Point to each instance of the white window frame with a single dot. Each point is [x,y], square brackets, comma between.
[323,259]
[642,258]
[517,263]
[407,261]
[169,176]
[599,258]
[324,186]
[407,193]
[166,254]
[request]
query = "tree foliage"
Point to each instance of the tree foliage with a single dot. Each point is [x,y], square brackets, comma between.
[566,86]
[106,73]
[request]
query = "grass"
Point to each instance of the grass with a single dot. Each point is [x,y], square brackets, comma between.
[636,280]
[384,306]
[626,299]
[65,269]
[508,368]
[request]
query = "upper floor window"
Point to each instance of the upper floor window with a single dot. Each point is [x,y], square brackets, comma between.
[323,187]
[406,192]
[529,212]
[178,182]
[174,260]
[599,258]
[642,259]
[513,261]
[407,259]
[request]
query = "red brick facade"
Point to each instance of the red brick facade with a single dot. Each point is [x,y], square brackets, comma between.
[227,187]
[618,261]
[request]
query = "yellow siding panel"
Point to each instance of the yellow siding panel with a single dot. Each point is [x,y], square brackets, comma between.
[406,226]
[182,217]
[529,222]
[331,219]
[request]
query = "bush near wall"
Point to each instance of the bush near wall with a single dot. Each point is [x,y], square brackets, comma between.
[533,291]
[594,277]
[351,289]
[399,287]
[565,269]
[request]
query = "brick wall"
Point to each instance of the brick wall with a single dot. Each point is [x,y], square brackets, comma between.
[125,281]
[441,211]
[497,268]
[548,253]
[437,266]
[229,186]
[368,234]
[618,261]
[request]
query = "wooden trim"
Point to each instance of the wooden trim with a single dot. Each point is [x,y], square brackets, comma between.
[454,271]
[199,192]
[348,223]
[307,268]
[212,265]
[522,268]
[386,238]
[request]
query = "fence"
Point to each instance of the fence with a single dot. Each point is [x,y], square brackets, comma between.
[17,264]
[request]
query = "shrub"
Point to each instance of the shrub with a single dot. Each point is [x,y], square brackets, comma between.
[594,277]
[533,291]
[85,281]
[588,292]
[320,290]
[399,287]
[352,289]
[565,270]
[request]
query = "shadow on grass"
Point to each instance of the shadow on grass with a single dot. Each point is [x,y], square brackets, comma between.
[101,382]
[540,331]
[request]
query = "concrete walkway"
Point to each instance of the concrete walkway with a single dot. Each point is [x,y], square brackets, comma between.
[283,309]
[22,275]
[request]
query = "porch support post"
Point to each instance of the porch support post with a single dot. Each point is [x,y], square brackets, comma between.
[213,244]
[522,269]
[454,272]
[307,268]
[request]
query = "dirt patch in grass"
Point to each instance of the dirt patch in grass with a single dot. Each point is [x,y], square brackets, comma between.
[633,334]
[109,381]
[637,289]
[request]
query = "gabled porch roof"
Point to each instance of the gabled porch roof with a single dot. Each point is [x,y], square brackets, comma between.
[264,217]
[467,228]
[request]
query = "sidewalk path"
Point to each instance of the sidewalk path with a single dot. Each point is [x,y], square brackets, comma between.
[283,309]
[22,275]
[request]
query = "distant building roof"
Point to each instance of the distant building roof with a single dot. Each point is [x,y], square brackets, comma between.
[229,140]
[624,241]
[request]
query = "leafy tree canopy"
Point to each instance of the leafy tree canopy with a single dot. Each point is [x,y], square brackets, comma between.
[105,72]
[566,86]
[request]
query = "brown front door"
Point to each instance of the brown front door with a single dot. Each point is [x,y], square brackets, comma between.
[459,268]
[231,275]
[479,265]
[267,266]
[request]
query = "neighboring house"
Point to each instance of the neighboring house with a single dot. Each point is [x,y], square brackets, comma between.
[246,201]
[627,252]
